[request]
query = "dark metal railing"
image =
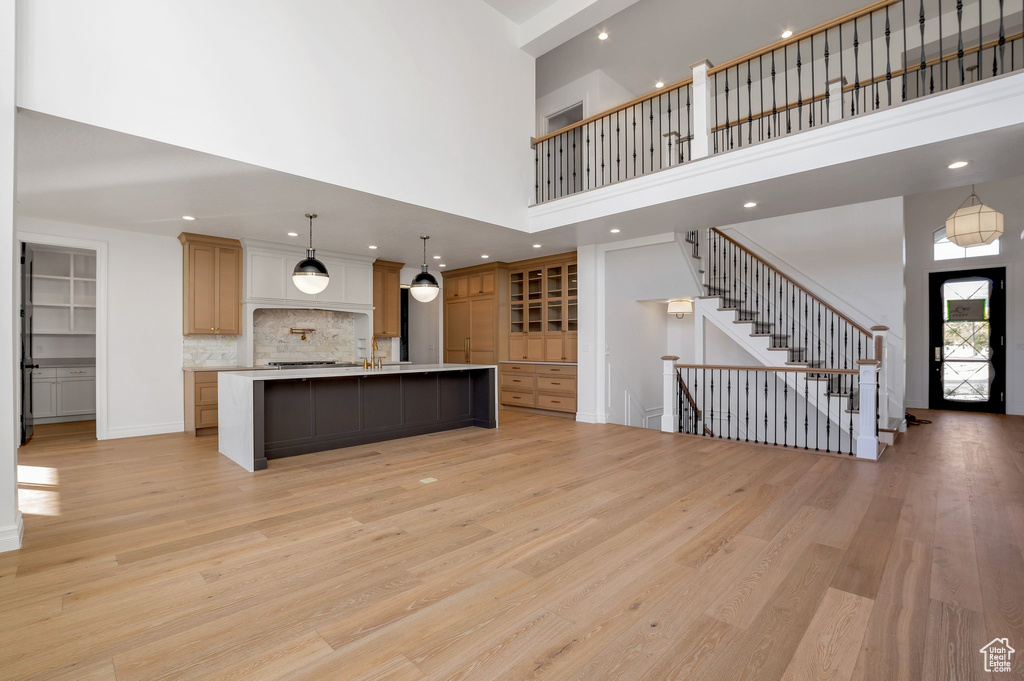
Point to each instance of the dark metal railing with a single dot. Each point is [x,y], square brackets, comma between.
[643,136]
[887,53]
[811,332]
[693,238]
[811,409]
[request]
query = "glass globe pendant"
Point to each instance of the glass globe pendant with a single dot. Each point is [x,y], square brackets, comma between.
[424,286]
[310,276]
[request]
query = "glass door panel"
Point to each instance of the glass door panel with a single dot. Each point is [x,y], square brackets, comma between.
[554,281]
[535,284]
[516,287]
[571,286]
[554,316]
[535,318]
[571,318]
[518,322]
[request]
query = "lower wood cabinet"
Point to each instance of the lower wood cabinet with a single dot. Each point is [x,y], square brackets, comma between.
[538,386]
[201,399]
[543,347]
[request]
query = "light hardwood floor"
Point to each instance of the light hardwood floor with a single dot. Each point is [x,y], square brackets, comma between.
[546,549]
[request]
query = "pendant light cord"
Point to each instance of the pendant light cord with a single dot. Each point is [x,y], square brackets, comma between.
[310,232]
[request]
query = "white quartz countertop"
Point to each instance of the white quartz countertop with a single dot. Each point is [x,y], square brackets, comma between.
[337,372]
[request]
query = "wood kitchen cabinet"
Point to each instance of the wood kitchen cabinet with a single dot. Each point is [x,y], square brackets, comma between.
[543,309]
[387,299]
[201,398]
[211,285]
[476,314]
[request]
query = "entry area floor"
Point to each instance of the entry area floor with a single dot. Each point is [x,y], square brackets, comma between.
[545,549]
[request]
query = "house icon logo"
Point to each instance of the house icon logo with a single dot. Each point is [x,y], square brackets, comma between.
[998,655]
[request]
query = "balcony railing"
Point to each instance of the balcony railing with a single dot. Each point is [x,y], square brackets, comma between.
[883,55]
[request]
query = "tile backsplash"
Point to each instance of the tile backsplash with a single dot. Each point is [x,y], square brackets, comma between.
[333,337]
[209,351]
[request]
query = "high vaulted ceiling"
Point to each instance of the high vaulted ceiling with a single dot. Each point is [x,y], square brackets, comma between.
[656,40]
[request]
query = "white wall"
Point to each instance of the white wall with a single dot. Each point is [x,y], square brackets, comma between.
[143,376]
[924,213]
[10,517]
[429,102]
[623,332]
[597,90]
[851,257]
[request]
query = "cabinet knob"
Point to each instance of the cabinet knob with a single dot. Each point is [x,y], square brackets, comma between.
[212,329]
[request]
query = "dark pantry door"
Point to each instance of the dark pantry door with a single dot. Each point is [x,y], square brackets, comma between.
[27,363]
[967,329]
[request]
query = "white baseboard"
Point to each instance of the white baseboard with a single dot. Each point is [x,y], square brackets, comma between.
[586,418]
[138,431]
[10,537]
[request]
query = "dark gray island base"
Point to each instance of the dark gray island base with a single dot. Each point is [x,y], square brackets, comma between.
[294,414]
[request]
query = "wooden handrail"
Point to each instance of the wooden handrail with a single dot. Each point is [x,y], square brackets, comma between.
[790,280]
[790,370]
[768,112]
[621,107]
[779,44]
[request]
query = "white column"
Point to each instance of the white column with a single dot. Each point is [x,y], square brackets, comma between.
[881,339]
[867,436]
[10,402]
[670,412]
[702,99]
[835,99]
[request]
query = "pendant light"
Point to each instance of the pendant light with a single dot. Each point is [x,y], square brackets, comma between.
[974,225]
[424,287]
[310,276]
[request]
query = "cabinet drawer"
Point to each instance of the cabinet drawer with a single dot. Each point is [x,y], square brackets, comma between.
[76,372]
[556,402]
[517,399]
[206,394]
[206,417]
[521,381]
[556,369]
[556,384]
[517,368]
[206,377]
[44,373]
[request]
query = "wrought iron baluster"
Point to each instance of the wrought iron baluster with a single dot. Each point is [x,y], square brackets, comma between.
[1002,44]
[813,99]
[923,61]
[634,142]
[906,65]
[728,128]
[871,44]
[800,88]
[960,38]
[785,81]
[888,61]
[750,109]
[536,174]
[981,41]
[714,134]
[775,108]
[828,96]
[856,70]
[652,129]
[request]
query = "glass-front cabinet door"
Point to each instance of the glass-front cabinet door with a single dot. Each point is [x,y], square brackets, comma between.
[517,300]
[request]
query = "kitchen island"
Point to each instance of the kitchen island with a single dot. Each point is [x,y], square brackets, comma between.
[272,414]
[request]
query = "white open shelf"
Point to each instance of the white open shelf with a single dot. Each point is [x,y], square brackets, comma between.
[63,292]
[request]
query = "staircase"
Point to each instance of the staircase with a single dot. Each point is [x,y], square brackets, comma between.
[809,354]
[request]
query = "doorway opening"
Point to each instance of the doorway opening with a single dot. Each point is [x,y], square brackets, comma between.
[58,341]
[967,328]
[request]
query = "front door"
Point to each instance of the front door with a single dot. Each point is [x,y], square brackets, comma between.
[967,319]
[27,364]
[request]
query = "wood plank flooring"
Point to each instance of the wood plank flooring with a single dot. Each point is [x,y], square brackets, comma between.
[546,549]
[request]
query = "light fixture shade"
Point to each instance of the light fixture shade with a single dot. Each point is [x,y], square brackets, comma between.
[680,307]
[424,287]
[974,225]
[310,276]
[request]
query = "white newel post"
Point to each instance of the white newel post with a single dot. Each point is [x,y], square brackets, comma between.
[669,415]
[881,338]
[835,99]
[702,99]
[867,437]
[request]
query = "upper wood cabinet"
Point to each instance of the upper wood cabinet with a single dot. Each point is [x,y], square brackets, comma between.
[387,299]
[211,284]
[543,309]
[476,314]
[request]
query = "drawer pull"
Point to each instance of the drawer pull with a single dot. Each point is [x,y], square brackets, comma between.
[556,401]
[555,383]
[516,397]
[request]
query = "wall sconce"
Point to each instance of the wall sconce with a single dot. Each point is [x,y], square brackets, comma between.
[680,307]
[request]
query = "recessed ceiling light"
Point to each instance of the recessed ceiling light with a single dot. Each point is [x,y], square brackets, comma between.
[187,217]
[616,230]
[659,84]
[536,245]
[602,36]
[293,233]
[485,256]
[787,34]
[373,248]
[437,257]
[956,164]
[750,204]
[442,265]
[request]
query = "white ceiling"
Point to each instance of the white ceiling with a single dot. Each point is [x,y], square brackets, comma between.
[656,40]
[78,173]
[520,11]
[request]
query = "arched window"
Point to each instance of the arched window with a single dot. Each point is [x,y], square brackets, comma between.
[944,249]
